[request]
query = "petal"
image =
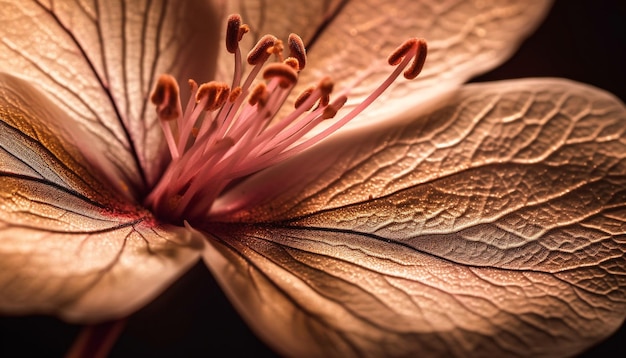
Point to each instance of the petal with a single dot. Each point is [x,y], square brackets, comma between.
[493,225]
[350,41]
[69,245]
[98,63]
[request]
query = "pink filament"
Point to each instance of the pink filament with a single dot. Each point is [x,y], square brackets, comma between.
[240,139]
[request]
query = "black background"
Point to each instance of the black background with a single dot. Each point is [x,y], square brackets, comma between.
[584,40]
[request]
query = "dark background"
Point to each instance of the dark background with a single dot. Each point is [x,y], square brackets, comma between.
[584,40]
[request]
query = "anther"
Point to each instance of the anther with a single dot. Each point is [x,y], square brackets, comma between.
[303,97]
[288,76]
[297,50]
[234,94]
[232,33]
[216,94]
[331,110]
[259,95]
[292,62]
[259,53]
[211,151]
[326,87]
[414,47]
[398,54]
[165,97]
[418,60]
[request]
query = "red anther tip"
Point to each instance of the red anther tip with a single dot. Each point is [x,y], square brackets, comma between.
[235,93]
[297,50]
[232,33]
[259,53]
[398,54]
[286,73]
[259,95]
[216,94]
[418,60]
[326,86]
[303,97]
[165,97]
[293,63]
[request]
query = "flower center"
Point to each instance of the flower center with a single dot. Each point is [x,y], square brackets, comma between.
[228,132]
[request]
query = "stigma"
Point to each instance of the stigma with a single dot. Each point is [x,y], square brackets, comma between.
[228,131]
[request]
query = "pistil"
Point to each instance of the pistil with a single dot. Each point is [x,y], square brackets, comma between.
[228,132]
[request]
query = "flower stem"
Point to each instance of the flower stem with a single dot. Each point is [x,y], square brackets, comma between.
[96,340]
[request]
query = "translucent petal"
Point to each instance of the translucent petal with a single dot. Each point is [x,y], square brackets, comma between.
[69,244]
[493,225]
[350,41]
[98,62]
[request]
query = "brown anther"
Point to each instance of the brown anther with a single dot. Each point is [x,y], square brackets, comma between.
[232,33]
[417,64]
[303,97]
[216,94]
[297,50]
[398,54]
[234,94]
[326,85]
[324,100]
[288,76]
[259,53]
[165,97]
[419,56]
[223,94]
[292,62]
[333,108]
[259,95]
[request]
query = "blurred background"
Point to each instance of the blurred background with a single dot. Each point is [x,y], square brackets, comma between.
[583,40]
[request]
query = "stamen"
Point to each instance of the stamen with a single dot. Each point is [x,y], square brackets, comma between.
[166,97]
[418,60]
[260,54]
[167,100]
[414,47]
[292,62]
[215,93]
[326,86]
[229,132]
[297,50]
[331,110]
[234,94]
[287,75]
[398,54]
[303,97]
[259,95]
[232,33]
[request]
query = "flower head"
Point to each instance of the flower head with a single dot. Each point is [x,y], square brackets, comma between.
[226,133]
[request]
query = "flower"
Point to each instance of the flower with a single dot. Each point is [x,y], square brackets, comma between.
[289,234]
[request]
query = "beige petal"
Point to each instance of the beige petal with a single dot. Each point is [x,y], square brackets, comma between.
[491,226]
[98,61]
[69,244]
[350,41]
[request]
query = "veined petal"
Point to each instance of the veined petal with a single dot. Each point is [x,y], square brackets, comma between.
[69,244]
[350,41]
[492,225]
[98,62]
